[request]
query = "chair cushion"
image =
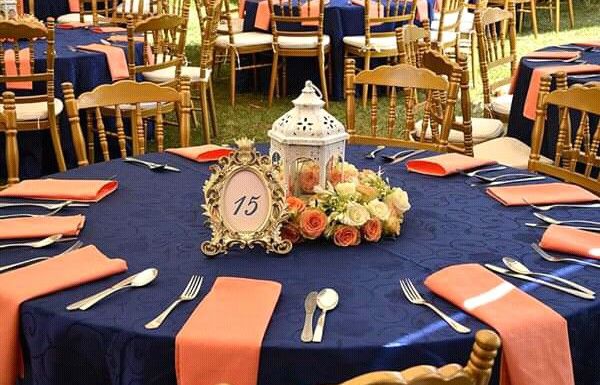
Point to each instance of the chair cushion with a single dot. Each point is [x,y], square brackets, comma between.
[466,22]
[447,36]
[245,39]
[74,18]
[508,151]
[301,42]
[483,130]
[126,6]
[501,104]
[168,74]
[35,111]
[378,43]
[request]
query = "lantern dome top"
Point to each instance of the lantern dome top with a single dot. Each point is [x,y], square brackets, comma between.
[308,123]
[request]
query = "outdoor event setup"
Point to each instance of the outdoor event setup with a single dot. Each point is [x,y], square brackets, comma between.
[309,192]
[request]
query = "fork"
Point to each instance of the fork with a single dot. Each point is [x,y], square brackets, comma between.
[413,296]
[482,170]
[47,206]
[391,158]
[572,205]
[553,258]
[75,246]
[49,214]
[489,179]
[189,293]
[553,221]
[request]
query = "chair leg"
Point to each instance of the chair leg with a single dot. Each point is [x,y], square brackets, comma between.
[12,156]
[571,14]
[195,120]
[330,72]
[365,90]
[212,108]
[274,71]
[232,76]
[323,77]
[55,135]
[473,54]
[254,73]
[557,10]
[205,119]
[534,19]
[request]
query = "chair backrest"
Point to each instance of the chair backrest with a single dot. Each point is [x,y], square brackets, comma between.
[299,19]
[210,28]
[8,124]
[477,371]
[412,42]
[577,158]
[406,77]
[475,4]
[119,11]
[497,46]
[125,99]
[450,18]
[98,9]
[379,14]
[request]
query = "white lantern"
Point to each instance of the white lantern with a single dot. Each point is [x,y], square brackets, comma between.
[307,141]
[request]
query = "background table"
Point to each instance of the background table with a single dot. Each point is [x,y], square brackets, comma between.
[154,219]
[48,8]
[519,126]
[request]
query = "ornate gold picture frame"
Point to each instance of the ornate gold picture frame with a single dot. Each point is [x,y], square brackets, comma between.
[245,203]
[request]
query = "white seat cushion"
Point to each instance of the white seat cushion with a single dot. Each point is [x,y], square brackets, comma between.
[168,74]
[378,43]
[301,42]
[74,18]
[245,39]
[483,130]
[508,151]
[501,104]
[447,36]
[35,111]
[126,6]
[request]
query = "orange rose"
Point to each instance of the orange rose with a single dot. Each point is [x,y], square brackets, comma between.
[295,205]
[372,230]
[308,178]
[312,223]
[367,193]
[345,236]
[342,172]
[291,232]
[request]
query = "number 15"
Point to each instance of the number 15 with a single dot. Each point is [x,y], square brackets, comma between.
[252,205]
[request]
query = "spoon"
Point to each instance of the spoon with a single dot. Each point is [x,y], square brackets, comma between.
[49,214]
[327,300]
[569,205]
[141,279]
[37,244]
[553,258]
[553,221]
[372,154]
[520,268]
[310,305]
[75,246]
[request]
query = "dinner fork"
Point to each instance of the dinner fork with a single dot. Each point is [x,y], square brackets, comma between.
[482,170]
[553,258]
[553,221]
[572,205]
[75,246]
[189,293]
[411,293]
[48,214]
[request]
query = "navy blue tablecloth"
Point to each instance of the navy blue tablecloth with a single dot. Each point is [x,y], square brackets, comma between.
[521,127]
[48,8]
[155,220]
[342,18]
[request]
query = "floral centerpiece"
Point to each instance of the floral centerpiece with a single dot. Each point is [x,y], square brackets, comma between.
[355,206]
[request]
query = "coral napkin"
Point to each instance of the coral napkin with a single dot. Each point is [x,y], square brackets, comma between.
[536,78]
[445,164]
[566,55]
[138,39]
[535,341]
[73,25]
[40,227]
[24,68]
[62,189]
[204,153]
[263,16]
[541,194]
[591,43]
[569,240]
[107,29]
[74,5]
[59,273]
[422,10]
[375,10]
[220,342]
[117,62]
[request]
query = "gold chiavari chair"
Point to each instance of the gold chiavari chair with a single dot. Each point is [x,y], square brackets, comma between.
[232,44]
[35,112]
[577,158]
[378,13]
[125,98]
[519,7]
[309,42]
[445,31]
[553,6]
[477,371]
[407,77]
[412,42]
[91,12]
[468,34]
[8,125]
[140,9]
[497,47]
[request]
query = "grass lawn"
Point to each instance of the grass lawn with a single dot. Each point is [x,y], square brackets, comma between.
[252,117]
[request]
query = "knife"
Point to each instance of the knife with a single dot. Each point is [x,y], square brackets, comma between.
[78,304]
[35,204]
[403,158]
[508,273]
[501,182]
[544,226]
[310,305]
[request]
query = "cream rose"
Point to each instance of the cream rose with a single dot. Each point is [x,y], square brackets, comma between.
[345,189]
[355,215]
[398,200]
[378,209]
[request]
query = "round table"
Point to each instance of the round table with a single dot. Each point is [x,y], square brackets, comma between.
[48,8]
[155,220]
[521,127]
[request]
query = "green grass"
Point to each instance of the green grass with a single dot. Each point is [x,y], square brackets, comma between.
[252,117]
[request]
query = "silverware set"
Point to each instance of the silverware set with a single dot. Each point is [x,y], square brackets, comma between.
[326,300]
[398,157]
[499,180]
[151,165]
[575,223]
[75,246]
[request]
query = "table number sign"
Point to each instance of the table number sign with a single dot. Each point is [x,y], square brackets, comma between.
[245,203]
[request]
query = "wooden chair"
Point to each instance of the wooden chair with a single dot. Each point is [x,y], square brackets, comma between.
[119,11]
[553,6]
[379,14]
[232,44]
[36,112]
[445,28]
[577,158]
[412,43]
[468,34]
[519,7]
[91,12]
[309,41]
[406,77]
[477,371]
[497,47]
[8,125]
[125,98]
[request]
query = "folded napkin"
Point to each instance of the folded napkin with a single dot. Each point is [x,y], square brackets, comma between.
[107,29]
[74,5]
[445,164]
[422,10]
[590,43]
[241,8]
[263,16]
[536,77]
[137,39]
[61,189]
[226,330]
[569,240]
[375,10]
[73,25]
[117,62]
[59,273]
[565,55]
[541,194]
[41,227]
[535,341]
[10,64]
[204,153]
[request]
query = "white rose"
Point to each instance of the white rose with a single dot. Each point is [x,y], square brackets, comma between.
[398,200]
[345,189]
[378,209]
[355,215]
